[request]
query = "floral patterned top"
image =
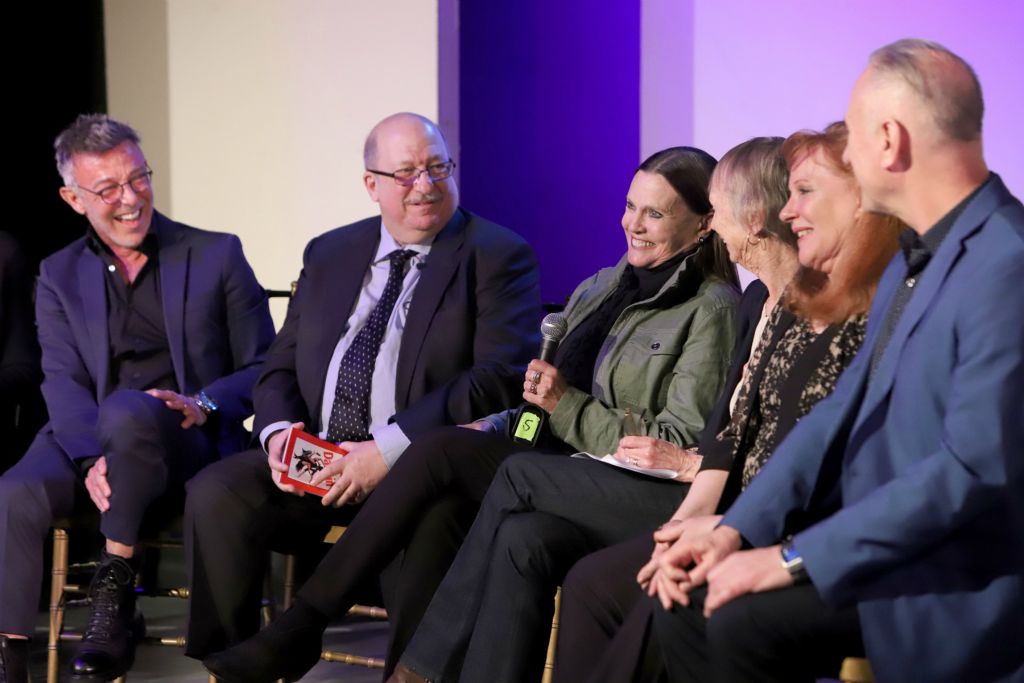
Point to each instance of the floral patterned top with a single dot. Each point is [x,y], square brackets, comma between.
[787,375]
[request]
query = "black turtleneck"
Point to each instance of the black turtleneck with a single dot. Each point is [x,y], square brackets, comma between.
[577,354]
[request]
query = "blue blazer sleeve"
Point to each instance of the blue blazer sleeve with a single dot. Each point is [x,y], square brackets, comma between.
[974,465]
[68,385]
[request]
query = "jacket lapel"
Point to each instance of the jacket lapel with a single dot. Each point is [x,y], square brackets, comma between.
[334,299]
[174,262]
[92,291]
[440,267]
[927,288]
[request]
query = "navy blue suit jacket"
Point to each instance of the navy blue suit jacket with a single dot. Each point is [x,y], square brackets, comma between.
[215,312]
[918,471]
[471,329]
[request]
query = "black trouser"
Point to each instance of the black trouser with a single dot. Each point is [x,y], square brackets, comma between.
[604,631]
[235,515]
[148,455]
[491,616]
[782,635]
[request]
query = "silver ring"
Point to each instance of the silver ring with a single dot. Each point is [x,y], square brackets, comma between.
[536,376]
[533,387]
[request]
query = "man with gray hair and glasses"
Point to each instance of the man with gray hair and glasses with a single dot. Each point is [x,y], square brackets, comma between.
[893,513]
[152,335]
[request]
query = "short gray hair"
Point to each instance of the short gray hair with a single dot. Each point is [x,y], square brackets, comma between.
[89,134]
[944,81]
[755,176]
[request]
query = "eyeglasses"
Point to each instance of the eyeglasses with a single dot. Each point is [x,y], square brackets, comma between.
[112,194]
[406,177]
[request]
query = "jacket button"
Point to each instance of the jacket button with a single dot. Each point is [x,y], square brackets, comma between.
[655,346]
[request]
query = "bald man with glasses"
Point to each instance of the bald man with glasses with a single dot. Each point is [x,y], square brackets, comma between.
[423,316]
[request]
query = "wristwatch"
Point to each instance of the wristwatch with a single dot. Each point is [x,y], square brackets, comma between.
[792,562]
[205,403]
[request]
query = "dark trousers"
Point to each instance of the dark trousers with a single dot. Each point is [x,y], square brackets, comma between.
[490,617]
[148,455]
[604,631]
[782,635]
[235,515]
[410,581]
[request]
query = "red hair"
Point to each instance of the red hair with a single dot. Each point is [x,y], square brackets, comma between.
[865,250]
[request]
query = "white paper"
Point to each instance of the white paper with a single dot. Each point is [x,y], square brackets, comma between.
[615,462]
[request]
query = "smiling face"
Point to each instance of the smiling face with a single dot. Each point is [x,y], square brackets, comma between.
[413,214]
[125,223]
[658,223]
[823,207]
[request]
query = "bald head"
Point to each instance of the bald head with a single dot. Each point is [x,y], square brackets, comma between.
[415,211]
[401,121]
[936,80]
[914,125]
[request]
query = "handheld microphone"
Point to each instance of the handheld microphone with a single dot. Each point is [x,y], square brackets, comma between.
[552,329]
[529,420]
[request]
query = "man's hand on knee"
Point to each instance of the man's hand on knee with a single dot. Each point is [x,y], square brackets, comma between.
[186,405]
[275,445]
[748,571]
[97,485]
[357,474]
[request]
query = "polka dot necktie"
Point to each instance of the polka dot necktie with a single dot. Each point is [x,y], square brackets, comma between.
[350,414]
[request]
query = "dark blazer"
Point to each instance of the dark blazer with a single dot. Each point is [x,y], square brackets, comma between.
[472,326]
[747,316]
[217,320]
[927,459]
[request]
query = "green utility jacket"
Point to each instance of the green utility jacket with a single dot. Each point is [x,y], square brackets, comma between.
[664,359]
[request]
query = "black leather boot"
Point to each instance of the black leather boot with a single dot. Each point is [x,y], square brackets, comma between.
[13,660]
[107,649]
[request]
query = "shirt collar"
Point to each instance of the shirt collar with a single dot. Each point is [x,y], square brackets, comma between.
[150,243]
[388,244]
[918,249]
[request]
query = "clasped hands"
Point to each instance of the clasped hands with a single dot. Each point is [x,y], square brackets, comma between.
[690,552]
[356,475]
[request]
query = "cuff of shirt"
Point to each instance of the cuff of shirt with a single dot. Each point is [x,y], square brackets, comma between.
[391,442]
[498,421]
[269,431]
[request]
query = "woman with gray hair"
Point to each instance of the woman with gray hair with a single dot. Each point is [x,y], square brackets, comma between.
[811,325]
[648,338]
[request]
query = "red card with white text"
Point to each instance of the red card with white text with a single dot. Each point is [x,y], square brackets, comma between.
[306,456]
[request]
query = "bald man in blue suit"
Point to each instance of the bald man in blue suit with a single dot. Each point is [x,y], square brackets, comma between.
[899,500]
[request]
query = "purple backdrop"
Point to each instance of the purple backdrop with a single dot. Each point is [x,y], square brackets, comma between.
[550,126]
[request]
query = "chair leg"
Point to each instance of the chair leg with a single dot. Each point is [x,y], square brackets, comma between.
[268,609]
[856,670]
[58,578]
[289,580]
[549,662]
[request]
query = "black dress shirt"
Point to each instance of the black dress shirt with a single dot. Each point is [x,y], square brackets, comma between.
[140,356]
